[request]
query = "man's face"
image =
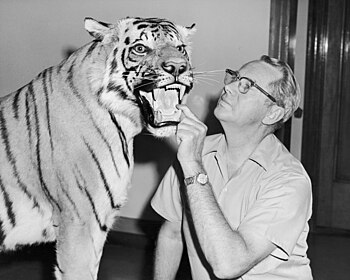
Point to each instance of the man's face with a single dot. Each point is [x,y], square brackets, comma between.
[247,109]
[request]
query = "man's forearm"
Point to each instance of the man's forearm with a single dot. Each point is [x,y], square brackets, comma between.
[168,255]
[221,245]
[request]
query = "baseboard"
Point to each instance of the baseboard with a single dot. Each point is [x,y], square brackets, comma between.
[134,232]
[330,231]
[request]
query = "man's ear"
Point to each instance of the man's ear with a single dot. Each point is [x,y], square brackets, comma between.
[274,115]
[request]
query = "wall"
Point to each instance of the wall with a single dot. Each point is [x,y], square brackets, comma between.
[35,35]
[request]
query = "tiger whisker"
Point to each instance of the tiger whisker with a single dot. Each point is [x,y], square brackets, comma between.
[150,74]
[207,72]
[147,133]
[199,82]
[206,79]
[203,81]
[204,75]
[203,72]
[213,70]
[142,78]
[142,85]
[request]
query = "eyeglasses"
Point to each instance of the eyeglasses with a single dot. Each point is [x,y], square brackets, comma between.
[244,84]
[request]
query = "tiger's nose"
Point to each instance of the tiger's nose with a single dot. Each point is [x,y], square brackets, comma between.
[174,67]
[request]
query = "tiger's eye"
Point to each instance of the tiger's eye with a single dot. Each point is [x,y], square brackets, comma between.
[181,48]
[140,49]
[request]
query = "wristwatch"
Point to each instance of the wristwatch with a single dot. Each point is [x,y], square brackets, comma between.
[200,178]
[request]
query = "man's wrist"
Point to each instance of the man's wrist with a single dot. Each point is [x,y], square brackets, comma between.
[191,168]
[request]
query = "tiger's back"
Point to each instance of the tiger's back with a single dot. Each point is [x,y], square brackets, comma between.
[26,207]
[66,142]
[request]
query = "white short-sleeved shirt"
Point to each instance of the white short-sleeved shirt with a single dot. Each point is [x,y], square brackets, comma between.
[270,196]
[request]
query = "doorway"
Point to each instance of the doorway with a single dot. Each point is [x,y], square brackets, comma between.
[326,128]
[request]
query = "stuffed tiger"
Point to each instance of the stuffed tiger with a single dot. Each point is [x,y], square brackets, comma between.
[66,138]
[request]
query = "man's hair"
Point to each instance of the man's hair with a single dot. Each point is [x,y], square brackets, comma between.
[286,90]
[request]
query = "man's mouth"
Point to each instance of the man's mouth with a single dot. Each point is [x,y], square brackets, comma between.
[162,102]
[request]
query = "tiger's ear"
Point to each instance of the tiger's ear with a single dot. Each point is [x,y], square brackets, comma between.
[192,28]
[187,32]
[98,30]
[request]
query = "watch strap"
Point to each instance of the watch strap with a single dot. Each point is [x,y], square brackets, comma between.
[190,180]
[200,178]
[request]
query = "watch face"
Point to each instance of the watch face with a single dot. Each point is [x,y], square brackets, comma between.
[202,178]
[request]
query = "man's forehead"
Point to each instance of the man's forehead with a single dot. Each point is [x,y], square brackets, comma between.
[260,70]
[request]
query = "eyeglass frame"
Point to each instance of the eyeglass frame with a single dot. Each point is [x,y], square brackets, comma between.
[236,74]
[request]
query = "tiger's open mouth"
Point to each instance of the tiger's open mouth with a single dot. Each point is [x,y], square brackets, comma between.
[159,104]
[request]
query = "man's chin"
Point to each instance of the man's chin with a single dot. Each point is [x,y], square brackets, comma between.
[217,111]
[222,114]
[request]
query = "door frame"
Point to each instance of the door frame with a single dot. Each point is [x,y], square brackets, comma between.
[282,41]
[315,69]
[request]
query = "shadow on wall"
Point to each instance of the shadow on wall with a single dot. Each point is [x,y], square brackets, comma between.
[67,51]
[211,121]
[148,149]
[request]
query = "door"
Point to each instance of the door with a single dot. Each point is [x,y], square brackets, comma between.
[326,130]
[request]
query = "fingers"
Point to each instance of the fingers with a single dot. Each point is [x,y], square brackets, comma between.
[185,110]
[188,132]
[190,127]
[190,136]
[187,114]
[189,121]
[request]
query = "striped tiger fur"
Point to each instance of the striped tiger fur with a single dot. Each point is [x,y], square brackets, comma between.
[66,138]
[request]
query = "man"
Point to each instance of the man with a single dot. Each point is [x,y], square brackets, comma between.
[240,200]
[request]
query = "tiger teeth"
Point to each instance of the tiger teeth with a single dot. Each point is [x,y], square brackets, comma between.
[178,88]
[182,92]
[148,95]
[154,96]
[157,92]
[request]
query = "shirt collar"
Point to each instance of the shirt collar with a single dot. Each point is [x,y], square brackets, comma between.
[262,155]
[216,144]
[264,152]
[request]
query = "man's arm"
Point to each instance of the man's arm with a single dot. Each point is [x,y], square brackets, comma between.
[229,252]
[168,251]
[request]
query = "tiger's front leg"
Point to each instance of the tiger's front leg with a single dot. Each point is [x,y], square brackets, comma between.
[79,251]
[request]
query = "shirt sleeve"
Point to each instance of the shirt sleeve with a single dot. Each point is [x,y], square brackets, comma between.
[281,211]
[167,200]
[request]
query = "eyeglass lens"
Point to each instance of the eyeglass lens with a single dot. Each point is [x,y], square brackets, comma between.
[232,76]
[244,83]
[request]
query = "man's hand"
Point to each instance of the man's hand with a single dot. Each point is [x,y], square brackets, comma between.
[190,138]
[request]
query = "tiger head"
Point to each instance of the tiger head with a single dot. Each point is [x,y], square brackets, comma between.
[148,68]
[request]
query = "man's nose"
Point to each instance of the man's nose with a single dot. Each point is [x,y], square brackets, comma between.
[230,89]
